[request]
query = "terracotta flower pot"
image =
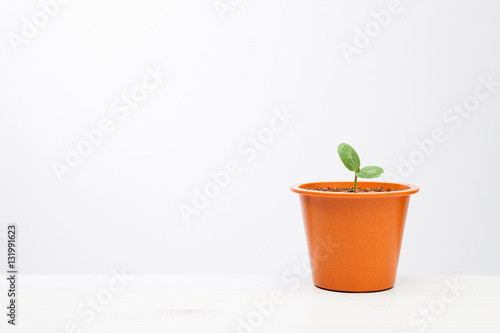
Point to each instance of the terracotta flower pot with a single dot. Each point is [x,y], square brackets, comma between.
[354,239]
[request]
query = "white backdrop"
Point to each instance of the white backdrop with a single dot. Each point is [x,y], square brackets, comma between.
[114,114]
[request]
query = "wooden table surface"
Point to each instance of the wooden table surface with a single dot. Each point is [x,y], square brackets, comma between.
[249,303]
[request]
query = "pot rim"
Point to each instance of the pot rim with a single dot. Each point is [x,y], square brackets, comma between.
[299,188]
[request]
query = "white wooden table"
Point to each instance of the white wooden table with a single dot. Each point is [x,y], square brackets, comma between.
[245,304]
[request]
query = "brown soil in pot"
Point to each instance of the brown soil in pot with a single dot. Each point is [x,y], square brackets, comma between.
[351,189]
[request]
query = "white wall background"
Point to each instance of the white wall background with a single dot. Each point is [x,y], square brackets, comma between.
[120,206]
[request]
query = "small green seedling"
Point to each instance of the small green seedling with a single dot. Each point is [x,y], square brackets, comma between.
[351,161]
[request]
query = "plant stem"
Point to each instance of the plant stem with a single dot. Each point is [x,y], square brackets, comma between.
[355,182]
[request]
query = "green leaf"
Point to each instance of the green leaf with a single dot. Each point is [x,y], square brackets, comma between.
[349,157]
[370,172]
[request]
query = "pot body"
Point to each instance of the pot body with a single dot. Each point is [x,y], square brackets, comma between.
[354,239]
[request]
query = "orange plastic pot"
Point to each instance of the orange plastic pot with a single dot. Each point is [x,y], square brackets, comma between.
[354,239]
